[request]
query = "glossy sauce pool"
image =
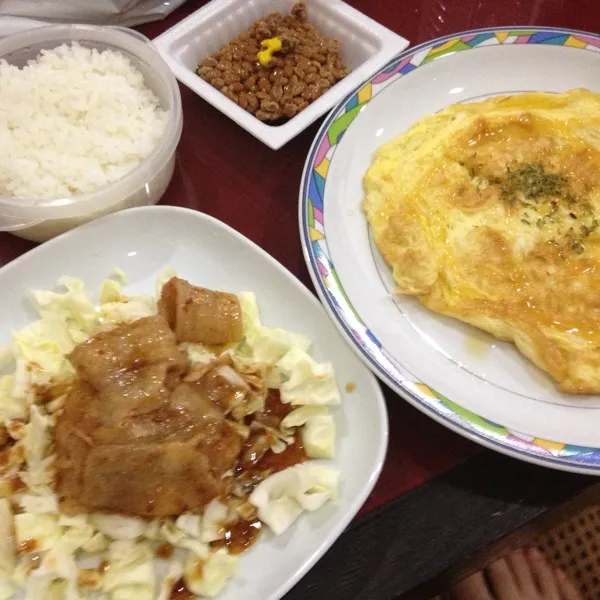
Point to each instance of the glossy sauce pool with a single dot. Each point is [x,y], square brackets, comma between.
[294,454]
[180,591]
[239,537]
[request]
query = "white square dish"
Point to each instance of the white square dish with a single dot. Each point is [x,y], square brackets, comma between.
[145,241]
[365,47]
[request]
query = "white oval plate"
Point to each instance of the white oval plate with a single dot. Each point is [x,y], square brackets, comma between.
[462,377]
[143,242]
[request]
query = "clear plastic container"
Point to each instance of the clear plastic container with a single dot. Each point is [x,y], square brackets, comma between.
[40,220]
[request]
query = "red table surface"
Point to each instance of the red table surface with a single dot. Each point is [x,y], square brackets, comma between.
[223,171]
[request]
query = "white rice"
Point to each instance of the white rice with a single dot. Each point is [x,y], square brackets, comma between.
[72,121]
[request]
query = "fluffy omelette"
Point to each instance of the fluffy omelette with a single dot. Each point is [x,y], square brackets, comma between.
[489,212]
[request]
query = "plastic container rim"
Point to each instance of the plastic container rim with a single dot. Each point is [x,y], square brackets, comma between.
[138,46]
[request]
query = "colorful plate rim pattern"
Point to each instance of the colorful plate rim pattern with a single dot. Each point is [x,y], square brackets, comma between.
[316,252]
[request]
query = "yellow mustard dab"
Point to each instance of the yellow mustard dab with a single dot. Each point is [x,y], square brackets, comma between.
[270,46]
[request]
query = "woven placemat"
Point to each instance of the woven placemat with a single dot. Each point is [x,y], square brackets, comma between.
[574,546]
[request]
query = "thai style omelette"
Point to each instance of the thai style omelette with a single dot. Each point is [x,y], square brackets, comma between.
[489,212]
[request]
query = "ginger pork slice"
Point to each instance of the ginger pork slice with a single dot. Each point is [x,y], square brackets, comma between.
[199,315]
[134,439]
[150,480]
[105,359]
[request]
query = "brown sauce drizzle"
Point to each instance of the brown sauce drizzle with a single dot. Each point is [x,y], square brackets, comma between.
[51,391]
[4,458]
[27,546]
[89,578]
[252,451]
[16,484]
[4,435]
[15,429]
[257,446]
[180,591]
[239,537]
[259,465]
[275,407]
[256,460]
[165,551]
[294,454]
[11,457]
[32,564]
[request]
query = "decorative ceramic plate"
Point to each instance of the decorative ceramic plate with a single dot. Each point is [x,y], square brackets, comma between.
[145,241]
[465,379]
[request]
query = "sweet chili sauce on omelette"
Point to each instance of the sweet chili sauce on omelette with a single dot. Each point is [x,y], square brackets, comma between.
[552,204]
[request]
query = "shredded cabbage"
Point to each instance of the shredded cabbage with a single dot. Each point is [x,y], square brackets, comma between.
[77,521]
[282,497]
[73,305]
[190,524]
[300,416]
[6,356]
[74,538]
[174,573]
[213,522]
[38,504]
[37,438]
[153,530]
[208,577]
[199,353]
[8,553]
[196,547]
[318,430]
[11,406]
[170,533]
[318,437]
[43,346]
[68,317]
[96,544]
[120,275]
[250,314]
[57,575]
[266,345]
[36,533]
[307,382]
[36,442]
[131,572]
[118,527]
[110,291]
[6,590]
[38,586]
[114,313]
[138,591]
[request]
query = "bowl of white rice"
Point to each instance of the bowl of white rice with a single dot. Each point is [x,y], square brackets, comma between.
[90,118]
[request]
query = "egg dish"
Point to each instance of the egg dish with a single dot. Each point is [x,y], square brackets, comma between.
[146,442]
[489,212]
